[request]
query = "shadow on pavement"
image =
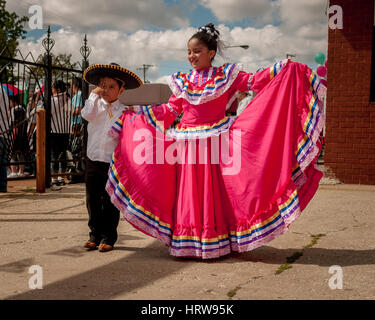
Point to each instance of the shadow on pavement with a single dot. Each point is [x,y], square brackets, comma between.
[143,267]
[149,264]
[310,256]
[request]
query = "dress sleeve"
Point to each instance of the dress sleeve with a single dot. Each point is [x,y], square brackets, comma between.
[161,116]
[263,77]
[257,81]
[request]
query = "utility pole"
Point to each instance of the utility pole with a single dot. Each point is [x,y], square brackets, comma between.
[145,68]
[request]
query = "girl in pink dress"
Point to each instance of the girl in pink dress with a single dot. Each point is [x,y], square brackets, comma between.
[213,184]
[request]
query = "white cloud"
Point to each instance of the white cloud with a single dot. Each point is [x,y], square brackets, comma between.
[302,17]
[295,14]
[302,30]
[163,79]
[129,50]
[267,45]
[270,44]
[124,15]
[236,10]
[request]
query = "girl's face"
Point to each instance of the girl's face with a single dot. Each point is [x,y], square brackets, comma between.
[199,55]
[111,89]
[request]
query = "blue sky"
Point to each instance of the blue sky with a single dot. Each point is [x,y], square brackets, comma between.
[155,32]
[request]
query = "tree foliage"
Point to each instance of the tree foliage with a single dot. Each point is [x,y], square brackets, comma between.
[11,29]
[60,60]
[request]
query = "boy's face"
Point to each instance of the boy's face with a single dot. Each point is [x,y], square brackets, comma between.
[111,89]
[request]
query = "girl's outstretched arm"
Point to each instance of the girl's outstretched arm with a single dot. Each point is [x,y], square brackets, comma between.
[161,115]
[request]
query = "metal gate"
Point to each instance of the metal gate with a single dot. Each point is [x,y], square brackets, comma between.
[29,84]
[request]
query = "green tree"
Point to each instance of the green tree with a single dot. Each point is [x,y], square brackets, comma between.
[11,29]
[60,60]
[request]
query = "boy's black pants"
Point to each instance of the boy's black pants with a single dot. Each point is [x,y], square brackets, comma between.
[103,215]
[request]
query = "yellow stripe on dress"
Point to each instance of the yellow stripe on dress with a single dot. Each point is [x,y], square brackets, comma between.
[135,205]
[153,117]
[289,201]
[196,238]
[272,72]
[309,115]
[203,127]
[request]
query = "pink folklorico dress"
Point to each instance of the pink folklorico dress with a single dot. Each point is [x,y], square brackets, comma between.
[213,184]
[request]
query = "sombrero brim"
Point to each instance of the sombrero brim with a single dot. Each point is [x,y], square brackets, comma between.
[93,74]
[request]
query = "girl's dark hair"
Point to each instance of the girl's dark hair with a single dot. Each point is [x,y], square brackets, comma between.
[209,36]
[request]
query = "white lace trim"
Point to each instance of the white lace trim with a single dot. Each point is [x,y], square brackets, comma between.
[180,88]
[249,82]
[175,134]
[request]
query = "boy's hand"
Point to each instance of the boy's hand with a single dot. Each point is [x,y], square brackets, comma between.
[98,91]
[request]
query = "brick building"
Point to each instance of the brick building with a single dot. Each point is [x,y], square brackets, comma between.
[350,111]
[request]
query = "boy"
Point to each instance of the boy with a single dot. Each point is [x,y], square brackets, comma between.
[101,110]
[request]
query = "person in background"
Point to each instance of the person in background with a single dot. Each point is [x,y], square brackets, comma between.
[76,115]
[34,103]
[60,131]
[76,137]
[4,126]
[20,148]
[243,99]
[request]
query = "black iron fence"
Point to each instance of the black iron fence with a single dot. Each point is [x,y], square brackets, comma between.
[28,84]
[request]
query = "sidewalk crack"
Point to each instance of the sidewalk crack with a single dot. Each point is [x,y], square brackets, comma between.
[298,254]
[233,292]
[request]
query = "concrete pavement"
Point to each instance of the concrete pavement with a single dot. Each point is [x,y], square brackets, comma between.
[48,230]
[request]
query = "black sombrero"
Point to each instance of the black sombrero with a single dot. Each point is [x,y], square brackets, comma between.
[93,74]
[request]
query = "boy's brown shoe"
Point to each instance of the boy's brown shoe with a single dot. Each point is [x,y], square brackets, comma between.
[103,247]
[89,245]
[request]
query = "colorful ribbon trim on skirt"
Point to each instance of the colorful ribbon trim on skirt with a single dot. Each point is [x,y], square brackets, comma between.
[190,245]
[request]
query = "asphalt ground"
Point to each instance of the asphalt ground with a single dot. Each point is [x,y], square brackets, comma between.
[328,254]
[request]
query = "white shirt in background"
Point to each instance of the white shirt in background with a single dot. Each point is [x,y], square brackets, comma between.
[100,144]
[61,110]
[4,114]
[243,104]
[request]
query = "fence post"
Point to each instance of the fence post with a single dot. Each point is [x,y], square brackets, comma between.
[48,43]
[41,150]
[85,52]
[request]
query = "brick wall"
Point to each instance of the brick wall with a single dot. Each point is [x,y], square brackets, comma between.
[350,122]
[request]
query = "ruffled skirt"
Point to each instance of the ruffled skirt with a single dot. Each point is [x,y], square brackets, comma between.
[231,187]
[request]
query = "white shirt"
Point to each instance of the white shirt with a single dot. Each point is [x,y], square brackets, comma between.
[4,114]
[61,108]
[100,144]
[243,104]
